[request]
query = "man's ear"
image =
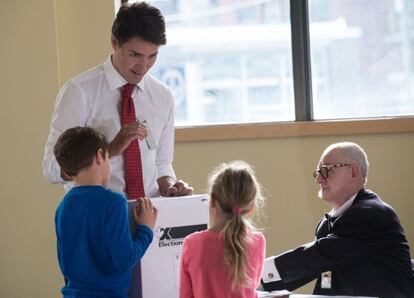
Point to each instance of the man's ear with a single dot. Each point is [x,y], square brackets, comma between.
[114,42]
[356,171]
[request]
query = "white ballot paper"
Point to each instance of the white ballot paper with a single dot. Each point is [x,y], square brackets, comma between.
[177,218]
[273,294]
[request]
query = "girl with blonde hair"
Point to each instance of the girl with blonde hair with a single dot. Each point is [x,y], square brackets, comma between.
[227,259]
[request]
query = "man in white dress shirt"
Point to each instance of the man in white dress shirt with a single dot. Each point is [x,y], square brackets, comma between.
[93,99]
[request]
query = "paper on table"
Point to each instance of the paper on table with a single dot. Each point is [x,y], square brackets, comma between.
[274,294]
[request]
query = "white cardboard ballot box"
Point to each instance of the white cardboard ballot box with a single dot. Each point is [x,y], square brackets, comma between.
[177,218]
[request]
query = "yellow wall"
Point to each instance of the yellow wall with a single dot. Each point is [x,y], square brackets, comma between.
[83,34]
[28,84]
[46,42]
[29,81]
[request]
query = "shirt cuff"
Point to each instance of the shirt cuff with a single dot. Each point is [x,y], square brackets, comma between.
[270,272]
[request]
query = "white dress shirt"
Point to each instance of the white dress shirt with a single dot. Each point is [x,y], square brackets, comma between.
[270,272]
[93,99]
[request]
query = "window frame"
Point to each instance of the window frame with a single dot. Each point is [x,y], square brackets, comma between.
[294,129]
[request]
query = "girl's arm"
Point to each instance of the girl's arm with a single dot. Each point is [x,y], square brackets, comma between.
[262,250]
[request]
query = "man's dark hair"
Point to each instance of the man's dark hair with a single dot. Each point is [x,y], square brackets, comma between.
[75,149]
[139,20]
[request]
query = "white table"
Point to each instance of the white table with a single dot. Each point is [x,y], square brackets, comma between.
[282,294]
[318,296]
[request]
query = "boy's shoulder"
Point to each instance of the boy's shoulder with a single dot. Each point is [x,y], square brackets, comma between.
[98,192]
[114,197]
[115,194]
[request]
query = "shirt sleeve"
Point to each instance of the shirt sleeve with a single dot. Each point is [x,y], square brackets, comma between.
[165,149]
[186,288]
[124,251]
[270,272]
[71,110]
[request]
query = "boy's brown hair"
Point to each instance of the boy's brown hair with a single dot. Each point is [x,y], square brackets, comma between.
[75,149]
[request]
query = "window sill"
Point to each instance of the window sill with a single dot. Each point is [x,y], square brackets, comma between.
[294,129]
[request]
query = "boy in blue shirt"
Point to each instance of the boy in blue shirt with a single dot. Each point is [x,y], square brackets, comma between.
[96,251]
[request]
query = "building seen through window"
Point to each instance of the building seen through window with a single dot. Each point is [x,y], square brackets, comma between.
[230,61]
[366,69]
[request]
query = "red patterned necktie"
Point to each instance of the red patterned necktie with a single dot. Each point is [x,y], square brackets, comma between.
[132,154]
[133,175]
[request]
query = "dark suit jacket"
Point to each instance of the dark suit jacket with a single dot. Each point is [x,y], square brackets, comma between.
[365,249]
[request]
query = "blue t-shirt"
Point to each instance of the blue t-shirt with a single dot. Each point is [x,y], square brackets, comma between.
[96,251]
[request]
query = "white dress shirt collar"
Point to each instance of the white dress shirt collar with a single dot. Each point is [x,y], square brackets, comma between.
[345,206]
[114,78]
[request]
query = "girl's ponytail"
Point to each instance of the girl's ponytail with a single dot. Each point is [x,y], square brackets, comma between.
[235,234]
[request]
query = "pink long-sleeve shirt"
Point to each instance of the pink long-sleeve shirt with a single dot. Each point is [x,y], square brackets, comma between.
[204,273]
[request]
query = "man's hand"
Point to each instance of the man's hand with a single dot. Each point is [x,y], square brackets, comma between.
[171,188]
[179,188]
[127,133]
[145,213]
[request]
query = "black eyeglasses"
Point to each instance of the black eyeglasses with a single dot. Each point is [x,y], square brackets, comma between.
[324,170]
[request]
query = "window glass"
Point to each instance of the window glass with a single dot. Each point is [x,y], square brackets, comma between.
[362,58]
[227,61]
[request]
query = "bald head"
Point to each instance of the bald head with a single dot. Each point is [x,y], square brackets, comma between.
[351,153]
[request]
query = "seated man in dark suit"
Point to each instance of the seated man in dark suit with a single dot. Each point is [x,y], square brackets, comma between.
[360,247]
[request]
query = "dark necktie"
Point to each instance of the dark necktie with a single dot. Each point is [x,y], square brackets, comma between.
[133,174]
[132,155]
[330,220]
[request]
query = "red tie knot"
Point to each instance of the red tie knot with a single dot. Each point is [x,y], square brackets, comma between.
[127,90]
